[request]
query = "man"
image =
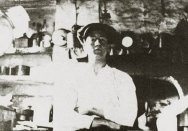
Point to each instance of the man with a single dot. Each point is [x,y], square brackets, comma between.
[95,96]
[13,24]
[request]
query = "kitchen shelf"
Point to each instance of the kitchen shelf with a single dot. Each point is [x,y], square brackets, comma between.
[27,59]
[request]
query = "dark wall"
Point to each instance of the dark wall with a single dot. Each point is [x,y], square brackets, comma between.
[135,15]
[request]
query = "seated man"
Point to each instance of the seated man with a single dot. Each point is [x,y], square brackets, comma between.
[95,96]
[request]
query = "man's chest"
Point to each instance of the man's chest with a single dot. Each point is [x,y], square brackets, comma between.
[97,91]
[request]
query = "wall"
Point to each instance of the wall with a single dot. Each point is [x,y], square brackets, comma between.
[39,16]
[66,14]
[135,15]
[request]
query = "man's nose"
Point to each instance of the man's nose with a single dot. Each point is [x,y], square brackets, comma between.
[97,42]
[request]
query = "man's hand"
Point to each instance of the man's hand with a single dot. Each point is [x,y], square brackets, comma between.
[97,112]
[90,111]
[97,122]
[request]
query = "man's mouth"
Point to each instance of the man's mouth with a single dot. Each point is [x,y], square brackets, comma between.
[97,50]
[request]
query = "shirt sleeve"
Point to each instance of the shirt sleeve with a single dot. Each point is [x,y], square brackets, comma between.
[125,112]
[65,117]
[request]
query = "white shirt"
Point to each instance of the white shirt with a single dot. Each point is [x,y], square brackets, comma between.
[111,90]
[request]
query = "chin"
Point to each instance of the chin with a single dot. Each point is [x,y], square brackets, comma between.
[100,57]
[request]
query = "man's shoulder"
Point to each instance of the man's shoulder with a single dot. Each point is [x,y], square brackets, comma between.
[123,80]
[120,73]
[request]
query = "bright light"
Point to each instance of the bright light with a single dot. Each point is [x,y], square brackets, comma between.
[127,41]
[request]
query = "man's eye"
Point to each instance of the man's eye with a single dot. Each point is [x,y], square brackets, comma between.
[103,40]
[93,39]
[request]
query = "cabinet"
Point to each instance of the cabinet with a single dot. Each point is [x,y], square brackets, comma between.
[33,89]
[7,118]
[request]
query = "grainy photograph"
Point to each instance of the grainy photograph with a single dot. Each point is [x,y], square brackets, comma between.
[93,65]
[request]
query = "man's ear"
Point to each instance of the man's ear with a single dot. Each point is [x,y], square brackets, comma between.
[108,49]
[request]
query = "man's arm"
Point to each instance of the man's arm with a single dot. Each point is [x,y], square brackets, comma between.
[126,112]
[98,122]
[65,117]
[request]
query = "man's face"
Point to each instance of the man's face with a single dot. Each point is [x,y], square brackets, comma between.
[96,44]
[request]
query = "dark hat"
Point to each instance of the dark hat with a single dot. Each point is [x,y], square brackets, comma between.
[112,35]
[63,29]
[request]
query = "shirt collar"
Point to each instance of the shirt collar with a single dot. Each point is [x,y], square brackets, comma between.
[101,71]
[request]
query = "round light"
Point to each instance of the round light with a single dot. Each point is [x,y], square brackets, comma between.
[59,38]
[127,41]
